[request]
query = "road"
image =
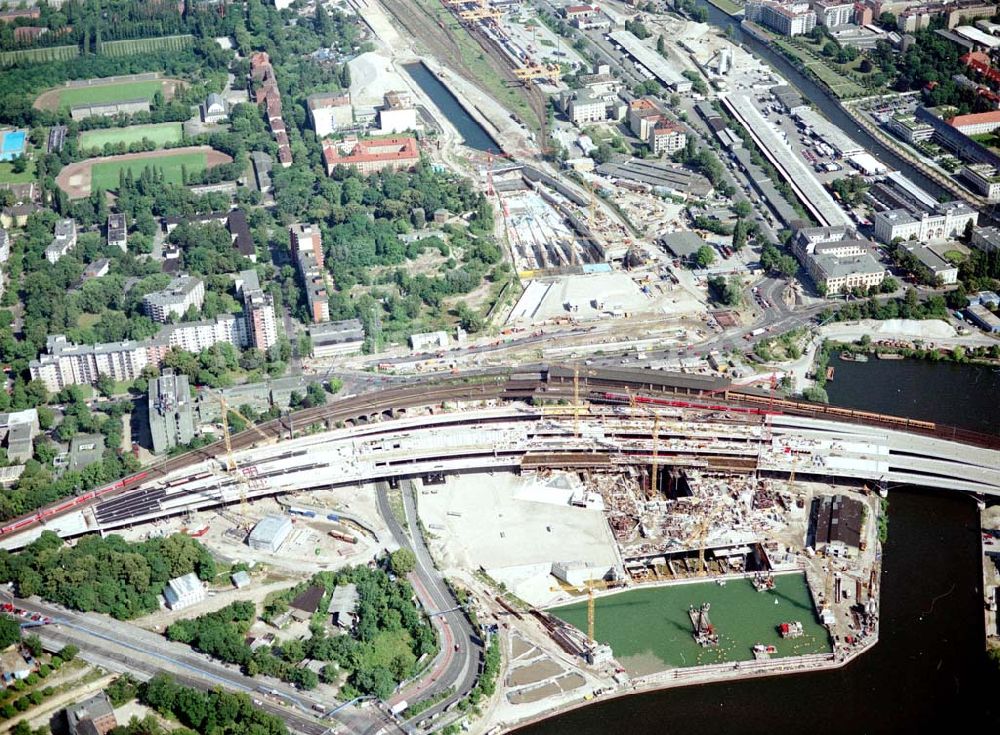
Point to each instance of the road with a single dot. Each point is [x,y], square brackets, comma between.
[451,668]
[122,647]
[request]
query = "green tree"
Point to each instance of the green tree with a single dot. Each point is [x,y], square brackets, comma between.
[704,257]
[10,631]
[403,561]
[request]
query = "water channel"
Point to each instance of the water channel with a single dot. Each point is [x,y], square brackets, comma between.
[928,671]
[473,134]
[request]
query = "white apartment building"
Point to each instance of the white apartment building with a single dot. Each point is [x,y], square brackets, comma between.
[791,19]
[666,137]
[947,220]
[329,113]
[984,179]
[68,364]
[63,240]
[174,301]
[833,13]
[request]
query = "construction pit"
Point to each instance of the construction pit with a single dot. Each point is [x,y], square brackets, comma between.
[745,545]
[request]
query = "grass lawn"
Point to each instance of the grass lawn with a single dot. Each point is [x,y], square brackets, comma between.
[160,134]
[109,93]
[86,320]
[649,629]
[105,175]
[727,6]
[840,85]
[7,175]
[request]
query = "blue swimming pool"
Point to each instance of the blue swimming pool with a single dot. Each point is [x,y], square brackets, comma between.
[12,144]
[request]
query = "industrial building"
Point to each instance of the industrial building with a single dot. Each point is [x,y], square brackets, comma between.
[306,604]
[171,415]
[837,523]
[329,113]
[429,341]
[337,339]
[983,318]
[270,533]
[651,60]
[683,245]
[397,114]
[173,302]
[343,603]
[182,592]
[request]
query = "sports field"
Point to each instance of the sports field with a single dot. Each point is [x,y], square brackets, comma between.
[81,178]
[126,88]
[105,175]
[160,134]
[649,629]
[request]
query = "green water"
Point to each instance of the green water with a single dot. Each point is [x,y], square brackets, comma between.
[649,629]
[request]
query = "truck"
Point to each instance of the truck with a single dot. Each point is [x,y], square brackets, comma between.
[756,333]
[399,707]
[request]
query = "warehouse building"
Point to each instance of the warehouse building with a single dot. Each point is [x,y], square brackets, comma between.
[182,592]
[837,523]
[270,533]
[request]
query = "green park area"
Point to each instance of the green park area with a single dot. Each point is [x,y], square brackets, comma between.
[649,629]
[105,175]
[824,70]
[160,134]
[116,92]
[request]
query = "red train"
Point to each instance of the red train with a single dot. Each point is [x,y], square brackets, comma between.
[40,515]
[622,398]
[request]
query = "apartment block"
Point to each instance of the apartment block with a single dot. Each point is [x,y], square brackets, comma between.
[63,240]
[790,19]
[174,301]
[171,414]
[258,310]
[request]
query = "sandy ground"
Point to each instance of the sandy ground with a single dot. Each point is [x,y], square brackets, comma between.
[74,179]
[489,521]
[929,330]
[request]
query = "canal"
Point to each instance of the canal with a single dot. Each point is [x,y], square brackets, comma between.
[474,135]
[818,96]
[928,670]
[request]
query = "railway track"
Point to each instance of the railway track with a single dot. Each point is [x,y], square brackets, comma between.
[503,386]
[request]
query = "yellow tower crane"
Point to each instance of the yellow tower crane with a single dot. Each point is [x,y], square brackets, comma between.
[589,587]
[232,467]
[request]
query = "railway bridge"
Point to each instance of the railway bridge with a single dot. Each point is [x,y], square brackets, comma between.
[549,417]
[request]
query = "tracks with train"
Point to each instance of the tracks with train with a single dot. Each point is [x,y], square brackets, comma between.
[548,384]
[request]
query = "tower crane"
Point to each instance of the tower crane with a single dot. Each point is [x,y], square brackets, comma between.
[589,586]
[232,467]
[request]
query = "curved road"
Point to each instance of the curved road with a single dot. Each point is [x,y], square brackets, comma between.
[457,663]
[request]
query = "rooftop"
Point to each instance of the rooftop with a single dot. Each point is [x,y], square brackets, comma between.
[371,149]
[976,118]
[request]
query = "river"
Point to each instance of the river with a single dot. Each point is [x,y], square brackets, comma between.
[959,395]
[928,670]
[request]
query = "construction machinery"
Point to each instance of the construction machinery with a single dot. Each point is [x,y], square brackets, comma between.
[241,475]
[548,72]
[589,586]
